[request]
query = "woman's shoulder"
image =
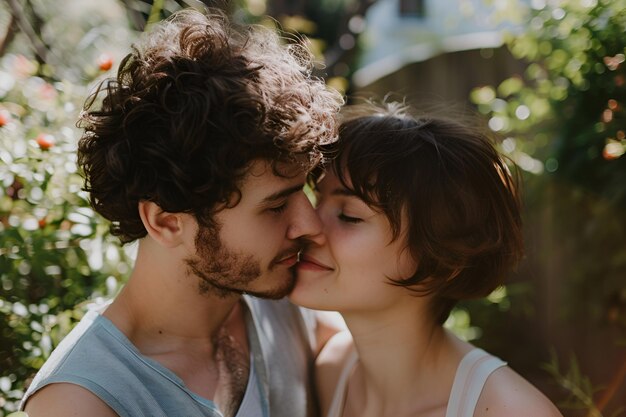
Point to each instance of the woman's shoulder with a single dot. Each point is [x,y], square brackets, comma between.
[506,393]
[329,365]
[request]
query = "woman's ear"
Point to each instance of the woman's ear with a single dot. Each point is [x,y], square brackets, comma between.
[163,227]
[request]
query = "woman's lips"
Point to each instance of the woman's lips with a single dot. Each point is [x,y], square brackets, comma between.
[311,264]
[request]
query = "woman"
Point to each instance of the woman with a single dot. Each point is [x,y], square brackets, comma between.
[417,214]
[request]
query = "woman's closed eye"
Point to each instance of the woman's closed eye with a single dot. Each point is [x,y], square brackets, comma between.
[349,219]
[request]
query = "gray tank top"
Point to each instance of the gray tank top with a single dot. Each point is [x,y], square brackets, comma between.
[97,356]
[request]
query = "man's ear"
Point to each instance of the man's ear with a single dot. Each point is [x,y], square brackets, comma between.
[163,227]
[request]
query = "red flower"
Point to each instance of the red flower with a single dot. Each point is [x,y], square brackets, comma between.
[45,141]
[4,118]
[105,62]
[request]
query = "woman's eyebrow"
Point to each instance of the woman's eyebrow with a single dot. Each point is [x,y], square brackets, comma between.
[343,192]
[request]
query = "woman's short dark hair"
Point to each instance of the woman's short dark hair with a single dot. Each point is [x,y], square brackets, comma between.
[464,224]
[197,101]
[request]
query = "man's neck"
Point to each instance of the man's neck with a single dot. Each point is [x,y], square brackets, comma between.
[162,300]
[164,314]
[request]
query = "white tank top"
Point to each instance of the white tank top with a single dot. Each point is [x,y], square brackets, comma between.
[469,380]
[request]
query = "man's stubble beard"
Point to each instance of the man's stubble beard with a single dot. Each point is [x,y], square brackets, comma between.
[224,272]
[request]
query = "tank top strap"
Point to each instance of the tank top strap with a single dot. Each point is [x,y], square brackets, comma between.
[252,401]
[258,368]
[470,378]
[339,397]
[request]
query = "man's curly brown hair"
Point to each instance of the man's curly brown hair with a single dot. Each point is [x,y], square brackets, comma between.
[197,101]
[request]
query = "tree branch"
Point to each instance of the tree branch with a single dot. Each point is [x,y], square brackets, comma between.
[8,36]
[38,45]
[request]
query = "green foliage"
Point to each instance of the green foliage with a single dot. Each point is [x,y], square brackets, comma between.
[579,388]
[55,252]
[565,118]
[577,385]
[566,114]
[563,123]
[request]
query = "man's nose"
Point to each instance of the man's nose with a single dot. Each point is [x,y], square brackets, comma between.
[305,222]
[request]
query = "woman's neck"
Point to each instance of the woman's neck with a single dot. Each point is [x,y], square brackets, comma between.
[406,364]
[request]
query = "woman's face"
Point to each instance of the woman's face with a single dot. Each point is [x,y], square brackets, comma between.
[350,269]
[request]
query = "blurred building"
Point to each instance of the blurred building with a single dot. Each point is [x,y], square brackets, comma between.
[433,49]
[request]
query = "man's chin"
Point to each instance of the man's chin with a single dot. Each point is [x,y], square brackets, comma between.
[277,292]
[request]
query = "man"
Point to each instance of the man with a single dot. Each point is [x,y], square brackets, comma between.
[200,150]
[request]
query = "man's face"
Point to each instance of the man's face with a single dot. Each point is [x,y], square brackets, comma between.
[255,244]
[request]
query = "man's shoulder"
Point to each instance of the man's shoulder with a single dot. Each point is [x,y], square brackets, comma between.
[105,370]
[79,342]
[49,402]
[71,366]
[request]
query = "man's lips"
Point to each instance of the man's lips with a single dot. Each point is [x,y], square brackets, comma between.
[310,263]
[289,260]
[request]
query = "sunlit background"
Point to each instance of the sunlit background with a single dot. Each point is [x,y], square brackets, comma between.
[547,76]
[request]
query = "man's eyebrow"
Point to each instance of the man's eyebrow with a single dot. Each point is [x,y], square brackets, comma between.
[282,193]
